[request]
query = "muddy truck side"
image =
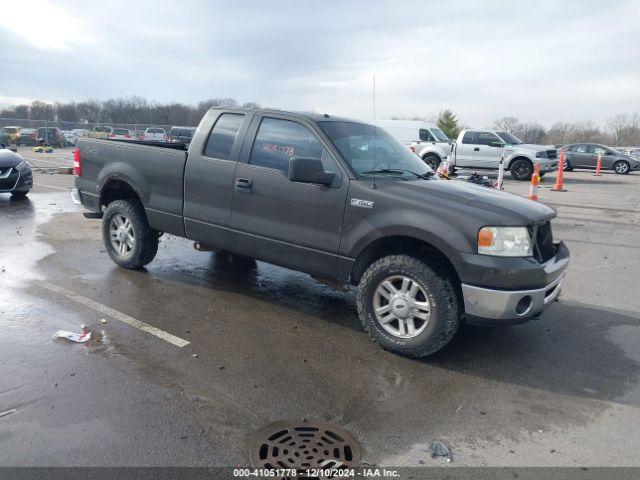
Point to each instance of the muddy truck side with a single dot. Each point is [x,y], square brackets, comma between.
[342,201]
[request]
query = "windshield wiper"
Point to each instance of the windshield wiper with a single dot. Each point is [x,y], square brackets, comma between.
[394,170]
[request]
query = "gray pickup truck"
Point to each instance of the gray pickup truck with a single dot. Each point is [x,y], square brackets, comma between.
[340,200]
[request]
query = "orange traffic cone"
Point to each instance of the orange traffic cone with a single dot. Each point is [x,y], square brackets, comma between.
[559,186]
[535,181]
[599,164]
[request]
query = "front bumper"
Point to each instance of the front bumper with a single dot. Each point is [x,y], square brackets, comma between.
[494,306]
[548,167]
[14,180]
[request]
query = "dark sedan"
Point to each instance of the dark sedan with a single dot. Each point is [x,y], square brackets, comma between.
[15,174]
[585,155]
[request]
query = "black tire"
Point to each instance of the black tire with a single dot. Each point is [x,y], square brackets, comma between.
[445,311]
[521,169]
[621,167]
[566,166]
[19,194]
[542,174]
[432,160]
[145,239]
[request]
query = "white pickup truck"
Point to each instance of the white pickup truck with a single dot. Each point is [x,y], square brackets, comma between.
[482,150]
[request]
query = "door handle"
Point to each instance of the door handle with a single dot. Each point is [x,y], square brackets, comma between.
[243,185]
[476,149]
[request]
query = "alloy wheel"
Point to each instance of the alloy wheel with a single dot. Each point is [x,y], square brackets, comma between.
[121,234]
[401,306]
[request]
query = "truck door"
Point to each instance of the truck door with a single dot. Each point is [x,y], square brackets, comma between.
[464,149]
[485,153]
[208,177]
[296,225]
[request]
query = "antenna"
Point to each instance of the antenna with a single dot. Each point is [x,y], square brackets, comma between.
[374,99]
[375,140]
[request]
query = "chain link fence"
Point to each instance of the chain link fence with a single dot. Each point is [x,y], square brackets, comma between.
[27,131]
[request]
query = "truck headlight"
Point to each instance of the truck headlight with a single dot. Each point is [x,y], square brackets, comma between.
[504,241]
[542,154]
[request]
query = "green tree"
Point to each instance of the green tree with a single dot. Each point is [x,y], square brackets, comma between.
[448,123]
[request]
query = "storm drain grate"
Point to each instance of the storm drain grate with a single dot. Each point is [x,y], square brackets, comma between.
[292,444]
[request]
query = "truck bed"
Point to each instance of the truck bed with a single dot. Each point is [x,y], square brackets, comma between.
[155,168]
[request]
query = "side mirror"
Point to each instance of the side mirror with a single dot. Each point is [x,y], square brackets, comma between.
[309,170]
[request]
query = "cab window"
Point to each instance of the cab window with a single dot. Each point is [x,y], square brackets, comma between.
[425,135]
[468,137]
[278,140]
[487,138]
[223,135]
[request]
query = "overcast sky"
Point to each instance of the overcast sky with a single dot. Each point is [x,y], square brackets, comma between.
[543,61]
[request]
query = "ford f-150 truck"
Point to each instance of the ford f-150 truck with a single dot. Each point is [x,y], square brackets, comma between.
[482,150]
[338,199]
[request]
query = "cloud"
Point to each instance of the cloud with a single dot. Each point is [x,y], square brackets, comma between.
[542,61]
[45,26]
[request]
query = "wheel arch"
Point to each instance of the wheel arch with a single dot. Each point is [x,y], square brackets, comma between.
[118,188]
[403,245]
[518,157]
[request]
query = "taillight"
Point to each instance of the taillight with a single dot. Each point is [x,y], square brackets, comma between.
[111,135]
[77,163]
[126,135]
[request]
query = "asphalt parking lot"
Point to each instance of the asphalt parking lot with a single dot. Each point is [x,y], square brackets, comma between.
[266,343]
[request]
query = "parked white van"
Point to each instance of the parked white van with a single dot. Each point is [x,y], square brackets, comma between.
[424,139]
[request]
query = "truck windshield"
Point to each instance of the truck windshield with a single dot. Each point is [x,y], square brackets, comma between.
[370,149]
[508,138]
[439,134]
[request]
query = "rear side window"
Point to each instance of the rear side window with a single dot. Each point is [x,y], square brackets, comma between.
[223,135]
[579,148]
[468,137]
[425,135]
[279,140]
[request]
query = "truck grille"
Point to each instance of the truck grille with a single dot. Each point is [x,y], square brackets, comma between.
[543,247]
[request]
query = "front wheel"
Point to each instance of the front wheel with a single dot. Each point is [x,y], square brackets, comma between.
[621,167]
[521,170]
[408,307]
[19,194]
[432,160]
[128,238]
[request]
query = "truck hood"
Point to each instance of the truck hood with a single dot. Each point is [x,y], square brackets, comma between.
[530,147]
[457,197]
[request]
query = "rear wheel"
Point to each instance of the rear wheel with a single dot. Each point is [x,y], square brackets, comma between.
[521,169]
[407,307]
[129,240]
[621,167]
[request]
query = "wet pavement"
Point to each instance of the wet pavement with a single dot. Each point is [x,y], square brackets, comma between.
[267,343]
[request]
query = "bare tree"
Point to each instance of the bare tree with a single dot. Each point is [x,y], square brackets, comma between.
[625,129]
[508,124]
[530,132]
